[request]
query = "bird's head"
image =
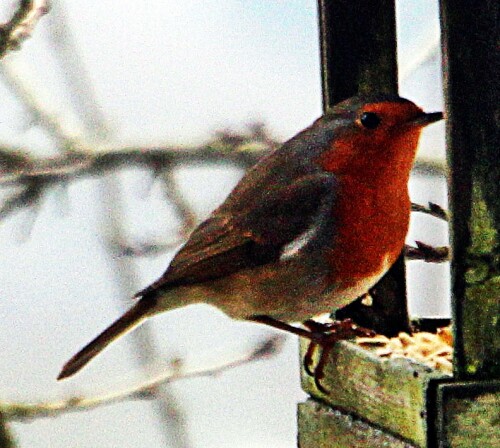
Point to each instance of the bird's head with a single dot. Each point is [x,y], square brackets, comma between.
[370,133]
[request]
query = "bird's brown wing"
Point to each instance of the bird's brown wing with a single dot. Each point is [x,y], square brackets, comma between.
[228,242]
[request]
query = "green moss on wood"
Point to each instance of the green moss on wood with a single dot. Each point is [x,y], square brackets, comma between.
[322,427]
[481,324]
[389,393]
[468,415]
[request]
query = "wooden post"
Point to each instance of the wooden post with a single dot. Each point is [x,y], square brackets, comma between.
[358,48]
[358,56]
[470,65]
[464,412]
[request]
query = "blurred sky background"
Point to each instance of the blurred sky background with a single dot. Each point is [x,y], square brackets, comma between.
[170,72]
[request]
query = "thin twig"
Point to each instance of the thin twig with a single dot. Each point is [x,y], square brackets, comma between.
[432,209]
[427,253]
[29,196]
[28,411]
[427,52]
[39,111]
[22,24]
[76,79]
[145,249]
[182,207]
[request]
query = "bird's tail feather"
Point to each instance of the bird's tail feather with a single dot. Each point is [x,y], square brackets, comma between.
[131,319]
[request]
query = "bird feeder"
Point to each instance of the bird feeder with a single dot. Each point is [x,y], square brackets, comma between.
[377,402]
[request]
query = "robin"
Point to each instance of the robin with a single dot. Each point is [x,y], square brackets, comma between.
[311,227]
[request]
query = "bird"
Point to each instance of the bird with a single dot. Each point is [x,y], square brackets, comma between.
[309,228]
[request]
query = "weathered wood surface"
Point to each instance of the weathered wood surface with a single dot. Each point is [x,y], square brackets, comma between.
[322,427]
[390,393]
[468,415]
[471,62]
[403,397]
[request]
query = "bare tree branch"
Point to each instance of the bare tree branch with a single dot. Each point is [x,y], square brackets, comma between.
[28,411]
[34,176]
[22,24]
[18,168]
[97,131]
[39,112]
[144,248]
[182,207]
[78,164]
[76,79]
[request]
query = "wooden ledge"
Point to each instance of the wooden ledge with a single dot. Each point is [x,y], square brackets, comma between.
[390,393]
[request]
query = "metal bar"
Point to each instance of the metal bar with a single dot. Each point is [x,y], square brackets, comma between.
[470,64]
[358,56]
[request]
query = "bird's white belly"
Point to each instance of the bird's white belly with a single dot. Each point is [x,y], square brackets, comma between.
[292,290]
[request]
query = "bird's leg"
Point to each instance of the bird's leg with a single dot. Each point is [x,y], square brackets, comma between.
[267,320]
[320,334]
[307,362]
[325,336]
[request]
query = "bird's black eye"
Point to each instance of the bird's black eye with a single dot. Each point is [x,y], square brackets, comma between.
[369,120]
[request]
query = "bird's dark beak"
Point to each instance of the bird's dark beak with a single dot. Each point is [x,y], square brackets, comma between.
[425,119]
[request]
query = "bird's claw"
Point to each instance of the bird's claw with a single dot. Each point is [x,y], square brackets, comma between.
[325,335]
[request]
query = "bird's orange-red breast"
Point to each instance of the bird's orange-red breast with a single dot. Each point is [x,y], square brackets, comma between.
[308,229]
